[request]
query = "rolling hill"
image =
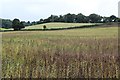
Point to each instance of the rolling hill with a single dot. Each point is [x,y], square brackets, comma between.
[57,25]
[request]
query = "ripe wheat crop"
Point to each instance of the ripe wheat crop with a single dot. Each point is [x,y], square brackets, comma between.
[81,53]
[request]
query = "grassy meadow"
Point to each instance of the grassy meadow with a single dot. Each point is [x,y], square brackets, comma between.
[55,25]
[75,53]
[3,29]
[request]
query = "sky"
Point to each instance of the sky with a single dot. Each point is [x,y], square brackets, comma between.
[34,10]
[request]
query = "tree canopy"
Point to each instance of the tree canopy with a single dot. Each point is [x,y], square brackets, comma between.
[95,18]
[68,18]
[17,25]
[80,18]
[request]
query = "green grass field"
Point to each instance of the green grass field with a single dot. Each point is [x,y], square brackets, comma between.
[57,25]
[75,53]
[3,29]
[52,25]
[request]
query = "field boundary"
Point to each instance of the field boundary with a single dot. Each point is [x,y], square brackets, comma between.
[68,28]
[52,29]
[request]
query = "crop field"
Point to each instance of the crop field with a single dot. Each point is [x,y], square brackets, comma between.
[58,25]
[75,53]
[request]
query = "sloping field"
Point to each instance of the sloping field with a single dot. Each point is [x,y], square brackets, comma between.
[58,25]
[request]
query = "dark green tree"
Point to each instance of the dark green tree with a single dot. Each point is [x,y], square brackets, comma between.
[6,23]
[61,19]
[41,21]
[70,18]
[44,27]
[94,18]
[21,25]
[17,25]
[33,23]
[53,18]
[28,23]
[112,18]
[105,19]
[80,18]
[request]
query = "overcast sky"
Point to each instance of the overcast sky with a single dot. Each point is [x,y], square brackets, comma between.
[33,10]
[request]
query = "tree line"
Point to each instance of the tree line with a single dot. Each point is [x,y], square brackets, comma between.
[79,18]
[68,18]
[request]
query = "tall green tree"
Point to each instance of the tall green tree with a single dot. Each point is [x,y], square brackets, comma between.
[41,20]
[61,19]
[95,18]
[80,18]
[53,18]
[112,18]
[6,23]
[17,25]
[69,18]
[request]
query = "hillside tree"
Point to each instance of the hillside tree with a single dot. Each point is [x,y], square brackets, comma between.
[17,25]
[70,18]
